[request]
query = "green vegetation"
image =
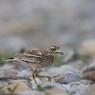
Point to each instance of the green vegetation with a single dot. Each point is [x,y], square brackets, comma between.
[40,88]
[58,59]
[4,57]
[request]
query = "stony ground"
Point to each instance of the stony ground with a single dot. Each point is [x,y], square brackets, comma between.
[67,23]
[74,76]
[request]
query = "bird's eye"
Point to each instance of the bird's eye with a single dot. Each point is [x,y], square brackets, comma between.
[54,48]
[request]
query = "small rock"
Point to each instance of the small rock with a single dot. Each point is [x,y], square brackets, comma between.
[89,76]
[7,71]
[20,87]
[89,68]
[56,85]
[52,91]
[6,67]
[90,90]
[78,89]
[68,68]
[57,71]
[3,83]
[89,73]
[64,74]
[30,93]
[86,82]
[24,73]
[68,78]
[13,70]
[56,91]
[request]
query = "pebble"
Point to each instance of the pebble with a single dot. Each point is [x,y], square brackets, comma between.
[20,87]
[87,82]
[64,74]
[89,76]
[89,73]
[52,91]
[68,78]
[56,85]
[8,71]
[11,70]
[24,73]
[57,71]
[89,68]
[90,90]
[77,88]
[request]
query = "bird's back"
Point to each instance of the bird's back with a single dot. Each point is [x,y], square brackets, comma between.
[36,58]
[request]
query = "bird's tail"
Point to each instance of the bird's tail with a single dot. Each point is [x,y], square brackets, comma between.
[11,60]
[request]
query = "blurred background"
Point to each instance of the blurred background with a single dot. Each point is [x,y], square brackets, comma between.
[41,23]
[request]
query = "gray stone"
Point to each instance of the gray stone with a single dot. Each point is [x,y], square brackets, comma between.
[78,89]
[57,71]
[52,91]
[68,78]
[90,90]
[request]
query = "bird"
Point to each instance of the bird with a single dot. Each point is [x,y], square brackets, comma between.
[38,58]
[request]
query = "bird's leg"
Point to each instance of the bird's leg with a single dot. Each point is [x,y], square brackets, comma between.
[49,78]
[34,74]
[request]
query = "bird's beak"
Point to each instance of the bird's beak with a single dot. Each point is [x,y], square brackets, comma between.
[59,52]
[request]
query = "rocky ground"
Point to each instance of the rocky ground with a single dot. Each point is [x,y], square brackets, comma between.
[74,76]
[67,23]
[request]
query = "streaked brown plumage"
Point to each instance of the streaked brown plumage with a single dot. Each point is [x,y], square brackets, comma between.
[37,58]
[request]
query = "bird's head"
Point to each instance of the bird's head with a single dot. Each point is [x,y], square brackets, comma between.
[55,49]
